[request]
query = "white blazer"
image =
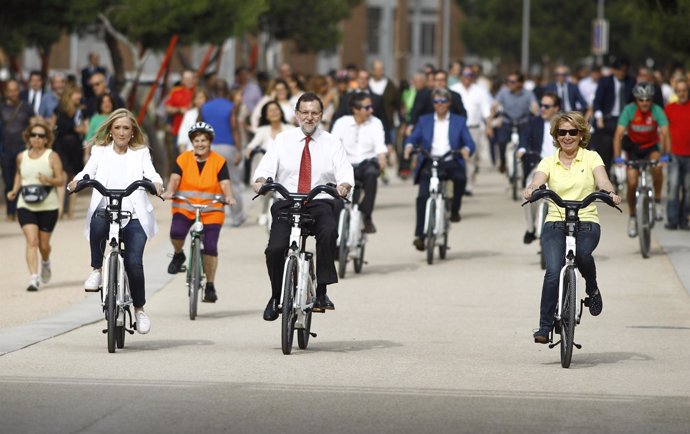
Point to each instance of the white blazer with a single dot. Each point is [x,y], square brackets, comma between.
[140,166]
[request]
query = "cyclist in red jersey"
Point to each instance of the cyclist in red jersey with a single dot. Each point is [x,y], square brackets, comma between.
[642,132]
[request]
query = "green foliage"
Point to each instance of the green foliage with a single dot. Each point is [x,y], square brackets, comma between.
[153,22]
[561,31]
[311,24]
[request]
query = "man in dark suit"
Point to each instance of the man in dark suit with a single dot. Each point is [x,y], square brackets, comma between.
[536,143]
[34,93]
[568,92]
[86,73]
[344,108]
[613,93]
[423,104]
[455,136]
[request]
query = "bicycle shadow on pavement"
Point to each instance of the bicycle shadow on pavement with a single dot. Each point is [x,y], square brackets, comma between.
[380,269]
[155,345]
[227,314]
[316,346]
[465,255]
[591,360]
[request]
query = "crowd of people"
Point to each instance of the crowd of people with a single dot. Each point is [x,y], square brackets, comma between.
[349,126]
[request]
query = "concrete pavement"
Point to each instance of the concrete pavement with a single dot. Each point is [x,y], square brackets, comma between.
[410,348]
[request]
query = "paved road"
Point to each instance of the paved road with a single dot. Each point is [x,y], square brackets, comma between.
[411,348]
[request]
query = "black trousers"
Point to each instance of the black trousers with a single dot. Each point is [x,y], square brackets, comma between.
[367,174]
[325,229]
[448,170]
[603,141]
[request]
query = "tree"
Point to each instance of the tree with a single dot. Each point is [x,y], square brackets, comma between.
[313,25]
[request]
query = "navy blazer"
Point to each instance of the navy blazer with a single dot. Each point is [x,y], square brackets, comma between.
[605,97]
[423,135]
[577,101]
[424,105]
[532,139]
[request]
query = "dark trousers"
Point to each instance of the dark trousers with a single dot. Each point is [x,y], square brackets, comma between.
[9,169]
[678,203]
[602,142]
[553,244]
[366,174]
[325,229]
[135,240]
[448,170]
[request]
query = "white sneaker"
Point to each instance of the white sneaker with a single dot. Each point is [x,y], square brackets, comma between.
[143,322]
[632,227]
[659,212]
[263,220]
[93,282]
[33,283]
[45,272]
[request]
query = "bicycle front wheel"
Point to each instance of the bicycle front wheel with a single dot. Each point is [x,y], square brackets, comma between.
[568,316]
[304,334]
[111,301]
[644,228]
[430,231]
[195,278]
[343,250]
[289,290]
[359,260]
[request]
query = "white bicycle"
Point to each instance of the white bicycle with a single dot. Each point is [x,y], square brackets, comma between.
[299,277]
[114,289]
[351,237]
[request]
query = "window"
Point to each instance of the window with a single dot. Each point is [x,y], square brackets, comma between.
[428,39]
[374,30]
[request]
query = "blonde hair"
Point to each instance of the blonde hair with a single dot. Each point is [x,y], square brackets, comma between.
[578,121]
[39,122]
[103,135]
[66,105]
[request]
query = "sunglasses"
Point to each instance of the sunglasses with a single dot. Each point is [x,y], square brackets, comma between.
[643,99]
[574,132]
[546,106]
[39,135]
[366,107]
[440,100]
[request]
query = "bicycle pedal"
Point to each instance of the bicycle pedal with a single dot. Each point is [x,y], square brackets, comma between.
[105,331]
[131,332]
[92,290]
[578,346]
[312,334]
[551,346]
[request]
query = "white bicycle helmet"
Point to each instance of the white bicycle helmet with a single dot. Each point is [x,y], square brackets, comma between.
[201,127]
[643,90]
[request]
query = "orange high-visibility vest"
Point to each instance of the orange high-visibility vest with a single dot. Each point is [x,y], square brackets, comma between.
[200,188]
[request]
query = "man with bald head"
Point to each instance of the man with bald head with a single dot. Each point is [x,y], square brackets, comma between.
[99,85]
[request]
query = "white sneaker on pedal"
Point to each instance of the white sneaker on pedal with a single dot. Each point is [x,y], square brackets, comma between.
[45,271]
[143,322]
[263,220]
[632,227]
[93,282]
[659,212]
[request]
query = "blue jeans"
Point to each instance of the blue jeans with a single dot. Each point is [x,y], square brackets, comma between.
[135,239]
[678,203]
[553,245]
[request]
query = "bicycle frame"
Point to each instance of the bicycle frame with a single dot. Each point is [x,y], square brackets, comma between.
[306,286]
[570,251]
[437,198]
[645,185]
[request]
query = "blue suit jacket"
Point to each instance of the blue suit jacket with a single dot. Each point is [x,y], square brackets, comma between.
[577,101]
[605,97]
[423,135]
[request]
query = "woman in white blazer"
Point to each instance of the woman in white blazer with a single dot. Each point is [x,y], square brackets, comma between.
[120,156]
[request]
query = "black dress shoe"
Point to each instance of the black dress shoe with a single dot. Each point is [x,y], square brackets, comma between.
[455,217]
[541,336]
[419,244]
[369,227]
[671,226]
[323,303]
[271,312]
[210,295]
[529,237]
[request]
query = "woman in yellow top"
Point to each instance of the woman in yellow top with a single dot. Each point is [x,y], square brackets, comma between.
[200,175]
[39,170]
[572,172]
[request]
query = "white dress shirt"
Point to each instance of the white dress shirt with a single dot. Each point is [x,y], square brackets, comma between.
[477,102]
[441,142]
[547,147]
[328,160]
[35,97]
[361,141]
[378,86]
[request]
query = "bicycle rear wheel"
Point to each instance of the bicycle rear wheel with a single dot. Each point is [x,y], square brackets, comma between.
[515,179]
[359,260]
[343,249]
[430,229]
[644,229]
[111,301]
[288,320]
[195,278]
[568,316]
[304,334]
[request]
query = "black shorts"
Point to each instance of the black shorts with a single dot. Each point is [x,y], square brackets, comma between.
[45,220]
[635,153]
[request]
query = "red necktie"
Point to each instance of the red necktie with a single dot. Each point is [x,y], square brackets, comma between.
[304,184]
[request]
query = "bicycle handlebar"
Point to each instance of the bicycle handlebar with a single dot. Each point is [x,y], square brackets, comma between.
[140,183]
[202,207]
[269,185]
[542,192]
[642,164]
[428,154]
